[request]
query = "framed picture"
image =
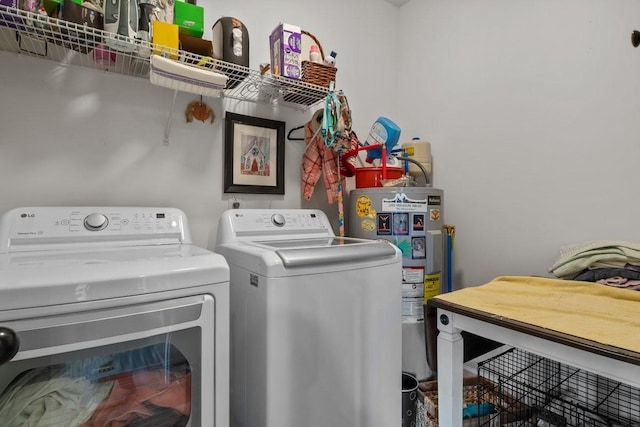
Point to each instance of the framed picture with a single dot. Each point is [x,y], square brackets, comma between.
[253,155]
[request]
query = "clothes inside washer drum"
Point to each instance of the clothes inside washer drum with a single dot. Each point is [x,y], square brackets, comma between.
[143,396]
[45,397]
[591,311]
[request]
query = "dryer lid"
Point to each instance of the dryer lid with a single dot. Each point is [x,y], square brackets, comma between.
[61,255]
[37,279]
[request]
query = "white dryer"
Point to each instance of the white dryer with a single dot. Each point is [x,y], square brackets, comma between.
[110,315]
[315,322]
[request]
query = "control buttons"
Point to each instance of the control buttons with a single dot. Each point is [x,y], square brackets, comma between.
[95,222]
[278,220]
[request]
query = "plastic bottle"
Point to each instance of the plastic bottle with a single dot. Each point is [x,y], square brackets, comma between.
[314,54]
[392,158]
[420,151]
[383,131]
[331,59]
[144,25]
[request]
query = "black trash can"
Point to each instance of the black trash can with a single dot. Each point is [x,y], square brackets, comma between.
[409,399]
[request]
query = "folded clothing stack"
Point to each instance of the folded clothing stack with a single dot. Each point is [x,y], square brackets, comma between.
[611,262]
[186,78]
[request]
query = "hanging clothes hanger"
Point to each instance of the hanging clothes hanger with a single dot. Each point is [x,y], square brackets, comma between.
[293,138]
[317,116]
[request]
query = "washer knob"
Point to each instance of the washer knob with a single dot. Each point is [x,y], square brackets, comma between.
[95,222]
[278,220]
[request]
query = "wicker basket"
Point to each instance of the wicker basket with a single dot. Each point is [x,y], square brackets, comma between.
[315,73]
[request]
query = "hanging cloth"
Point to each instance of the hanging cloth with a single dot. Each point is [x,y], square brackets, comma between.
[349,155]
[331,147]
[336,121]
[344,136]
[336,130]
[318,159]
[330,123]
[337,133]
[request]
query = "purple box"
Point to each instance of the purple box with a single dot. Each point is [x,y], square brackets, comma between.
[6,19]
[285,43]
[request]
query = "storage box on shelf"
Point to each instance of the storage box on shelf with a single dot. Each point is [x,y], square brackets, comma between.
[190,18]
[6,19]
[73,44]
[285,42]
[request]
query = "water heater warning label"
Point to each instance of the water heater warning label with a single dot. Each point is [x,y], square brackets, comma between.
[402,203]
[431,286]
[412,290]
[412,275]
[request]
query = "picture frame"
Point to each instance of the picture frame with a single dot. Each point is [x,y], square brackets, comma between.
[253,155]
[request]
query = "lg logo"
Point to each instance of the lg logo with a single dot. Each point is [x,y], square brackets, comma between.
[27,215]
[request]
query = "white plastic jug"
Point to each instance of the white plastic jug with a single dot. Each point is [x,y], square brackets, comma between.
[420,151]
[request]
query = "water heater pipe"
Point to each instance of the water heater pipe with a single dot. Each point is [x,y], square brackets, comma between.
[420,165]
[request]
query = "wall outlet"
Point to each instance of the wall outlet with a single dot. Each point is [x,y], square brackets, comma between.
[234,202]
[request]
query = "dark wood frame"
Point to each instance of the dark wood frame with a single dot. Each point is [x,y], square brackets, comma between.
[239,129]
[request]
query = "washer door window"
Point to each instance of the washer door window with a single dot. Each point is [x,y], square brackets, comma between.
[132,366]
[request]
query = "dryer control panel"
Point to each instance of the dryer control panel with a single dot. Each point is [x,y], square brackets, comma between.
[49,227]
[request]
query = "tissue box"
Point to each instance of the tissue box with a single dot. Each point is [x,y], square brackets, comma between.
[285,44]
[190,18]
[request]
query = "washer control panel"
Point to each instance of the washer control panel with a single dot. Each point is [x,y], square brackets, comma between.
[260,220]
[269,223]
[83,224]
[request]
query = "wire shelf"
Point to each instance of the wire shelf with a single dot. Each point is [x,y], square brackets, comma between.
[71,44]
[554,394]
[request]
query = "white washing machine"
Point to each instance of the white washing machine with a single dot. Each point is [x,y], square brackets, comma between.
[315,322]
[111,316]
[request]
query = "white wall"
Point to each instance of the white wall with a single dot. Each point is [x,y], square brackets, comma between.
[532,110]
[71,136]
